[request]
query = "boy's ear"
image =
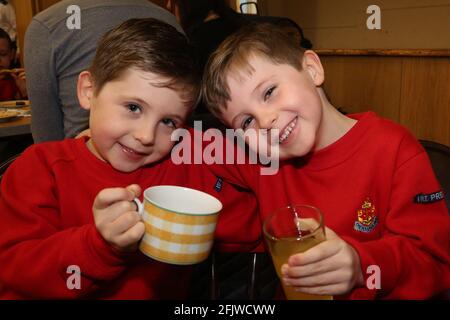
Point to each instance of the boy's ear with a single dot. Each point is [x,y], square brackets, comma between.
[311,63]
[85,89]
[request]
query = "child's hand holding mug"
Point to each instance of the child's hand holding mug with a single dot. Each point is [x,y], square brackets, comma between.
[176,224]
[117,219]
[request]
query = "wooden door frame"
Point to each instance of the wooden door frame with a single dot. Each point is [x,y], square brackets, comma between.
[25,10]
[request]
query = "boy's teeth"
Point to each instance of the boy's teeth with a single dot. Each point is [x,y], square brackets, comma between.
[288,130]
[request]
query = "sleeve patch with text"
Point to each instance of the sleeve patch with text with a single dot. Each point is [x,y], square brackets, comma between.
[429,198]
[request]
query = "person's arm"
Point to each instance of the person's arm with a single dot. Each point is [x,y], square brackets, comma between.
[36,250]
[413,254]
[42,84]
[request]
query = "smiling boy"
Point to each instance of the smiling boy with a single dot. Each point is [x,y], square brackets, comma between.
[67,205]
[363,172]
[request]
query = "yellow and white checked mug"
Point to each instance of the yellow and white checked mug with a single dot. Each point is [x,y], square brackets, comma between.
[179,224]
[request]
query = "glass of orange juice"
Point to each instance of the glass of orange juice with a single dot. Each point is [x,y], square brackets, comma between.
[291,230]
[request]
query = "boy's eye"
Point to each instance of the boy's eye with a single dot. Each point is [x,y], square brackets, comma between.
[134,108]
[169,122]
[246,123]
[268,93]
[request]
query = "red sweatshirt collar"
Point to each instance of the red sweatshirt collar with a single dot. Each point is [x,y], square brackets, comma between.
[342,149]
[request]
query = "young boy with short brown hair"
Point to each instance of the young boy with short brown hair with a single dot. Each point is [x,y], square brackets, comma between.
[66,207]
[383,207]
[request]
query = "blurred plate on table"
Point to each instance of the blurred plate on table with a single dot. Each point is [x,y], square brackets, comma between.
[9,115]
[14,103]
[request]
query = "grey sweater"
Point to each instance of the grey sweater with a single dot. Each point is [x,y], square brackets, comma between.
[55,55]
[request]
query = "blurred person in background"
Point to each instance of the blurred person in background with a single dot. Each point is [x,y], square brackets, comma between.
[12,81]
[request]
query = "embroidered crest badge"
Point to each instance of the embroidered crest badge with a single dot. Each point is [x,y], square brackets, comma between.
[367,217]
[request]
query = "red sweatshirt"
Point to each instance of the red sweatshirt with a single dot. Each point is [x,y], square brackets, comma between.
[377,191]
[46,226]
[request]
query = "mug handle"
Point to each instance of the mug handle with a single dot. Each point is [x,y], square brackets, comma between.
[139,205]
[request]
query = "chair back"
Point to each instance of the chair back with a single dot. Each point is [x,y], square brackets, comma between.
[439,155]
[5,164]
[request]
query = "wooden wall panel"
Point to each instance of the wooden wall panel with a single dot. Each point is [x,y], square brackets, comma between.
[412,91]
[24,13]
[405,24]
[425,105]
[358,84]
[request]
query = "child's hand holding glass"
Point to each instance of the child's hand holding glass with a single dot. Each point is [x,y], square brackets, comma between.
[330,268]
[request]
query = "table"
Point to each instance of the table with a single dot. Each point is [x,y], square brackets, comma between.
[15,136]
[17,127]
